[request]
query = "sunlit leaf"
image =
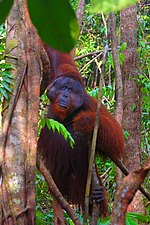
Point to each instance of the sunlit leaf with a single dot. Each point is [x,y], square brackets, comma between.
[48,123]
[139,217]
[107,6]
[130,221]
[56,22]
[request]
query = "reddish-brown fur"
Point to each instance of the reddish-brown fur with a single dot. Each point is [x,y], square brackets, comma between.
[62,113]
[69,166]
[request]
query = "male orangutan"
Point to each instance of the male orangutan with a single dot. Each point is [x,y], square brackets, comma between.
[76,110]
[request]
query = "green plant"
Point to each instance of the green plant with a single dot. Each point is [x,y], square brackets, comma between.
[108,94]
[43,201]
[6,78]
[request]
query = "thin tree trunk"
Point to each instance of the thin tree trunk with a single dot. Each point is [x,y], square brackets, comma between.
[79,14]
[119,84]
[132,96]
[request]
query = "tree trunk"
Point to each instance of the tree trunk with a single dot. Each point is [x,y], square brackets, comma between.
[118,81]
[132,96]
[79,15]
[19,135]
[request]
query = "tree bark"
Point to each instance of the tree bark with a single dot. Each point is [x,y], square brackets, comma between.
[126,192]
[118,81]
[132,96]
[19,134]
[80,15]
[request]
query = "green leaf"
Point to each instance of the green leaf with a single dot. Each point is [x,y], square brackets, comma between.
[72,142]
[126,134]
[55,125]
[7,80]
[42,121]
[139,217]
[121,58]
[123,46]
[58,127]
[107,6]
[6,66]
[48,123]
[5,7]
[4,93]
[130,221]
[134,106]
[2,49]
[56,23]
[64,131]
[4,84]
[104,221]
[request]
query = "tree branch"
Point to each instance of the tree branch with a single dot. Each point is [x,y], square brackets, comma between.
[126,192]
[125,171]
[93,145]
